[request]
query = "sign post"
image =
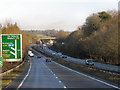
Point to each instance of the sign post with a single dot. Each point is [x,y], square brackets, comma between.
[12,47]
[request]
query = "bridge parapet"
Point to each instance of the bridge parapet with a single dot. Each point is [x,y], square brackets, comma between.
[48,40]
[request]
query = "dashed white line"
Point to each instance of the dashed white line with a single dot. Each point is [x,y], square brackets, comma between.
[88,76]
[54,74]
[65,87]
[25,77]
[59,81]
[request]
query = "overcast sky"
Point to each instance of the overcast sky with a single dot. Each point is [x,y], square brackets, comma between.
[52,14]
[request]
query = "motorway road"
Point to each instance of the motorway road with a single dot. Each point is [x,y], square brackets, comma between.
[43,74]
[54,75]
[40,76]
[96,64]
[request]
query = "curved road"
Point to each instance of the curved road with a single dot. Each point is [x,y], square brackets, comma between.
[96,64]
[54,75]
[40,76]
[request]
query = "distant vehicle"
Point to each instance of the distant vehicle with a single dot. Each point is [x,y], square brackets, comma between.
[89,62]
[59,54]
[39,56]
[40,46]
[53,53]
[31,55]
[37,42]
[44,46]
[48,59]
[29,52]
[64,56]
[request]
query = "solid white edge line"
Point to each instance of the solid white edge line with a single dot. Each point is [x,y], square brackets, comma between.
[65,87]
[88,76]
[24,77]
[59,81]
[51,70]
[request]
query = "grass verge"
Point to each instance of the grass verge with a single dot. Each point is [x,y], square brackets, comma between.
[7,79]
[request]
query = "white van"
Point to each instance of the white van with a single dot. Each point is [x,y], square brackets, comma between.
[31,55]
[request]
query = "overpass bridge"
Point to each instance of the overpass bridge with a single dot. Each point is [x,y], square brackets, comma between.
[47,40]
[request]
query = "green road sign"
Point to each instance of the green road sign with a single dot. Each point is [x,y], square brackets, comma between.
[12,47]
[1,62]
[30,41]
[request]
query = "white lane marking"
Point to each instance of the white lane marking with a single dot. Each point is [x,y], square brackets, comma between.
[25,77]
[88,76]
[53,74]
[10,84]
[59,81]
[65,87]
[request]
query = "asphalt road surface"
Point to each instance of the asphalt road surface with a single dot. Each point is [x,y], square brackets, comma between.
[96,64]
[53,75]
[43,74]
[40,76]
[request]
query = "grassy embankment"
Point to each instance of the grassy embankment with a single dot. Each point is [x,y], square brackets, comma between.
[7,79]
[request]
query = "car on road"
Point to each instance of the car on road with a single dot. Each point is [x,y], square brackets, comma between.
[39,56]
[31,55]
[29,52]
[63,56]
[89,62]
[59,54]
[48,60]
[53,53]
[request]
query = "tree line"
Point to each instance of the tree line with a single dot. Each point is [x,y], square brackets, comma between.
[97,39]
[14,29]
[50,33]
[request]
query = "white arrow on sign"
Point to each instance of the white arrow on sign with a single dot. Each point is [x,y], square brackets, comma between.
[12,48]
[12,53]
[0,62]
[15,49]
